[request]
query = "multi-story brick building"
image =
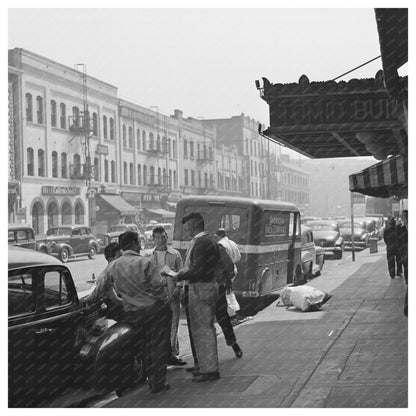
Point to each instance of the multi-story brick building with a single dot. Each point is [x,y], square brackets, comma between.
[80,154]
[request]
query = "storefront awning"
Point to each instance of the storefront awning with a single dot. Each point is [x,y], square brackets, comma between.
[159,212]
[384,179]
[115,202]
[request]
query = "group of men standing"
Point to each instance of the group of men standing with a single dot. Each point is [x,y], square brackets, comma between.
[150,290]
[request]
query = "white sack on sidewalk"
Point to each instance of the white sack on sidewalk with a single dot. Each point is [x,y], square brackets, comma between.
[307,298]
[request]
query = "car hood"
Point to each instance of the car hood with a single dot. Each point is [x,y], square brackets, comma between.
[327,235]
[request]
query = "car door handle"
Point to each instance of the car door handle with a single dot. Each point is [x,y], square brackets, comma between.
[45,331]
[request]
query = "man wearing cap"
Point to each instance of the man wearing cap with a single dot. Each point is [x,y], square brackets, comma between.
[200,263]
[146,306]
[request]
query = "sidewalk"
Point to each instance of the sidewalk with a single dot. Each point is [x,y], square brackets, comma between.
[352,353]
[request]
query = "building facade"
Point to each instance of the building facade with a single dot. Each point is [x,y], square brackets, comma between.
[79,154]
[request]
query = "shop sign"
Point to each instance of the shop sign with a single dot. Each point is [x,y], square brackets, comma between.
[297,114]
[60,190]
[151,197]
[102,149]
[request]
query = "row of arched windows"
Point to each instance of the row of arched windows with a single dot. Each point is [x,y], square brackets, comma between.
[59,117]
[53,212]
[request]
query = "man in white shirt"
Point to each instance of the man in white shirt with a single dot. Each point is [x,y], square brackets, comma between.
[166,258]
[230,247]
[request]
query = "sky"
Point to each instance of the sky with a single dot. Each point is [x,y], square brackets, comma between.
[203,61]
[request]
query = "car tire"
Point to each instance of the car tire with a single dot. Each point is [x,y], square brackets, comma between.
[299,278]
[138,377]
[64,255]
[92,253]
[338,254]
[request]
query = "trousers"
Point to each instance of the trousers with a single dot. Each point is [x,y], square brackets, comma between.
[203,297]
[153,325]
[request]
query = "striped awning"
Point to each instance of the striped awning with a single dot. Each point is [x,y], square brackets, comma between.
[384,179]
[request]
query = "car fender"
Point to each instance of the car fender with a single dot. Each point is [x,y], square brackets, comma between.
[109,359]
[95,244]
[57,248]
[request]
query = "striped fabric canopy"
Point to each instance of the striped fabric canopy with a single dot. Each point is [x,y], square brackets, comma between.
[384,179]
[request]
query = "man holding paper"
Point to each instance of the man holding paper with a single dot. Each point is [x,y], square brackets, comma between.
[169,261]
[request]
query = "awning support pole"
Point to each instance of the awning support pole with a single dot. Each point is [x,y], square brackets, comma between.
[352,226]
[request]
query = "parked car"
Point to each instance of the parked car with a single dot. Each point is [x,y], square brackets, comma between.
[22,235]
[148,232]
[361,235]
[116,230]
[327,235]
[306,219]
[68,241]
[374,225]
[54,343]
[313,257]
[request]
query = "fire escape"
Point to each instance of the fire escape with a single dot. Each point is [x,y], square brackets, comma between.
[205,159]
[159,153]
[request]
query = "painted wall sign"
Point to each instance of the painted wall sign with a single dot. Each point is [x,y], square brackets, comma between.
[60,190]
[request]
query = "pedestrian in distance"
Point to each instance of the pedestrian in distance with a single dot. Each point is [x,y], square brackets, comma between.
[146,306]
[392,249]
[202,296]
[168,260]
[402,240]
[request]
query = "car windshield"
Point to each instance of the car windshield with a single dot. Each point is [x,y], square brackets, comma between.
[322,227]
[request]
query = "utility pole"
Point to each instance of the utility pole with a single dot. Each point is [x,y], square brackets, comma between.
[85,132]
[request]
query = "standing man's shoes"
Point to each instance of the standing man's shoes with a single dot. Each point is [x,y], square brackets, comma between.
[191,369]
[176,361]
[201,377]
[237,350]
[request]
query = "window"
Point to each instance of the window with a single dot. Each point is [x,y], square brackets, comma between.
[175,150]
[192,178]
[125,172]
[41,162]
[111,129]
[64,168]
[152,175]
[124,136]
[169,149]
[159,176]
[94,124]
[144,140]
[56,293]
[52,214]
[144,175]
[75,116]
[205,180]
[185,148]
[191,149]
[151,141]
[105,170]
[76,172]
[105,132]
[170,178]
[131,174]
[139,174]
[138,139]
[165,146]
[186,177]
[63,115]
[53,113]
[158,143]
[29,107]
[113,171]
[66,213]
[96,169]
[54,165]
[30,162]
[21,294]
[175,179]
[131,138]
[79,213]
